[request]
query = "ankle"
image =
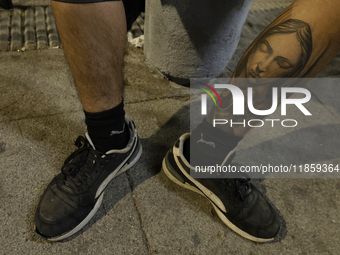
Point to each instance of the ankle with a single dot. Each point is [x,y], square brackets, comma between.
[108,129]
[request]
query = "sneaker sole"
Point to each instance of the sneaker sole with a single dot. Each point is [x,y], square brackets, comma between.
[134,157]
[166,165]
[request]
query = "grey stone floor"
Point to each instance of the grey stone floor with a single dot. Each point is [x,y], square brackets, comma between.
[143,212]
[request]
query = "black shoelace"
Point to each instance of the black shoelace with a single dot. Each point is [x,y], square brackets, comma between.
[78,167]
[241,186]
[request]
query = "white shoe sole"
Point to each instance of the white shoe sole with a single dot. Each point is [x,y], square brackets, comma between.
[219,213]
[100,198]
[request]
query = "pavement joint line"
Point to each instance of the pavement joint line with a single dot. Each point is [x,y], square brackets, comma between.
[22,135]
[40,116]
[62,113]
[9,105]
[144,236]
[159,98]
[227,67]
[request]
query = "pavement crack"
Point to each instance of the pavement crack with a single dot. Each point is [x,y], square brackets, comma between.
[145,239]
[9,105]
[39,116]
[22,136]
[185,98]
[229,69]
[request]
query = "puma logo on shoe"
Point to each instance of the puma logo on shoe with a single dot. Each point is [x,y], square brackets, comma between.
[206,142]
[117,132]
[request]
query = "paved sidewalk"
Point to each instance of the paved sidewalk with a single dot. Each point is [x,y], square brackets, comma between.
[143,212]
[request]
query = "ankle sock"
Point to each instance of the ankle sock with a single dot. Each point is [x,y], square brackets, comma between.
[108,129]
[209,145]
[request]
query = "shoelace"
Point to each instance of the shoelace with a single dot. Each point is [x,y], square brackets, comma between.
[76,169]
[243,188]
[241,185]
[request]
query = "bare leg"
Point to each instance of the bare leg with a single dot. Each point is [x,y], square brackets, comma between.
[94,39]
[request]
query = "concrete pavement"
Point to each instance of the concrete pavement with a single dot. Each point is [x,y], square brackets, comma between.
[143,212]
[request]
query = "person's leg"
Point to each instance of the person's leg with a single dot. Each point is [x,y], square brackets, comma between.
[299,43]
[94,39]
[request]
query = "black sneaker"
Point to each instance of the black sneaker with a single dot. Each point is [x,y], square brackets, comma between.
[236,201]
[74,196]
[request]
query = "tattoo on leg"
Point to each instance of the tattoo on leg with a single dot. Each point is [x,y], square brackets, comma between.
[283,50]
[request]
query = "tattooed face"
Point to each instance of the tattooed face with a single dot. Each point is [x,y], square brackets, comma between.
[270,58]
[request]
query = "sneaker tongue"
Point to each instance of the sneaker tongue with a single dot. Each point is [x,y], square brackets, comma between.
[90,141]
